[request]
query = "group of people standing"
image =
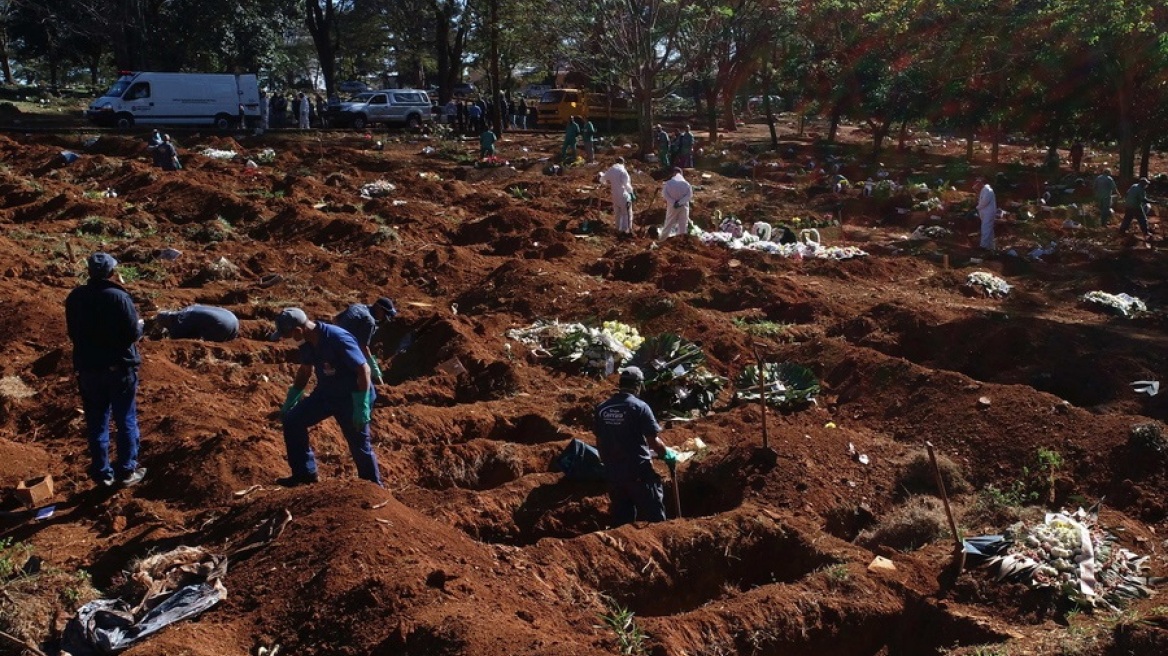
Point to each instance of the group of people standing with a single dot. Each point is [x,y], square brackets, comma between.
[676,150]
[292,110]
[105,329]
[471,117]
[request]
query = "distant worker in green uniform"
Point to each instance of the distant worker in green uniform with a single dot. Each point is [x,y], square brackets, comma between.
[570,137]
[1137,195]
[661,140]
[588,139]
[487,143]
[1105,189]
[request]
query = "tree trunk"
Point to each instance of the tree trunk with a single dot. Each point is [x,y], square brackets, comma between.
[994,152]
[970,138]
[493,66]
[321,24]
[4,63]
[1145,155]
[835,121]
[903,136]
[1127,133]
[644,95]
[770,111]
[712,112]
[879,134]
[446,77]
[728,110]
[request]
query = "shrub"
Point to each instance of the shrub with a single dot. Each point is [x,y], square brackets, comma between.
[919,521]
[918,477]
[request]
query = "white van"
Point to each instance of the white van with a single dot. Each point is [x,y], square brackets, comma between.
[177,99]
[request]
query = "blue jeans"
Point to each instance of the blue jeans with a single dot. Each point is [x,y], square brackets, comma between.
[106,392]
[310,412]
[632,500]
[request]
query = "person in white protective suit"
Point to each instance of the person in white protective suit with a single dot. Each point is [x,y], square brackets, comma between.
[987,210]
[305,111]
[623,196]
[678,195]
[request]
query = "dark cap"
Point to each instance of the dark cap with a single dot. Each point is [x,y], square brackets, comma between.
[1143,182]
[677,170]
[631,377]
[386,306]
[288,319]
[100,265]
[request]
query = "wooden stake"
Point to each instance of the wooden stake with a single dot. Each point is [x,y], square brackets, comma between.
[766,438]
[948,511]
[945,260]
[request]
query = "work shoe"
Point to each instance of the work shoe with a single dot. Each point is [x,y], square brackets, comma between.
[105,482]
[297,479]
[133,478]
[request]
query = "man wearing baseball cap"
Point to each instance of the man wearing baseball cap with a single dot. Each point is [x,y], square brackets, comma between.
[626,436]
[104,328]
[343,391]
[361,321]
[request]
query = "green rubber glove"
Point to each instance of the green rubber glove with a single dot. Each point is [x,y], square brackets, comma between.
[362,412]
[670,458]
[290,401]
[374,370]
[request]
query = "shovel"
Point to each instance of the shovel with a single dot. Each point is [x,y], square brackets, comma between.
[676,492]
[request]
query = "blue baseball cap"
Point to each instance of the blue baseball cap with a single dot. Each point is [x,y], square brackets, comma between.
[101,265]
[386,306]
[288,319]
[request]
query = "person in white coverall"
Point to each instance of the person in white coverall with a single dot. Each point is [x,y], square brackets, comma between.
[305,111]
[617,178]
[678,195]
[987,209]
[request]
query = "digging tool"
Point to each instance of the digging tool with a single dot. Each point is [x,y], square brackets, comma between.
[676,492]
[960,555]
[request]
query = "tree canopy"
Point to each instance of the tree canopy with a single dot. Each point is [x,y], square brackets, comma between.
[1054,69]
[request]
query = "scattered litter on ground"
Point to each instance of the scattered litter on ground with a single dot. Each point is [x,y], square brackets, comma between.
[1149,387]
[216,153]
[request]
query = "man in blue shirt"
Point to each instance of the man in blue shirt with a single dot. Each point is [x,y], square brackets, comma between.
[626,436]
[343,391]
[361,321]
[104,328]
[212,324]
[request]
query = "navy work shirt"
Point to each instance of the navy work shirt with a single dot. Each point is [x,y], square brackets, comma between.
[103,326]
[358,320]
[213,324]
[624,426]
[336,359]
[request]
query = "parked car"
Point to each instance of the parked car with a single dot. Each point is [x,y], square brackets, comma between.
[352,86]
[408,107]
[463,89]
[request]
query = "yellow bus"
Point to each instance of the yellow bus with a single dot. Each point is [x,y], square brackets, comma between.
[557,105]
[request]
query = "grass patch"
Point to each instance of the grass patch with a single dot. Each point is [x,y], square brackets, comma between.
[918,476]
[919,521]
[630,637]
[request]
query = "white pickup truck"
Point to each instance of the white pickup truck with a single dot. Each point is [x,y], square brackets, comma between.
[408,107]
